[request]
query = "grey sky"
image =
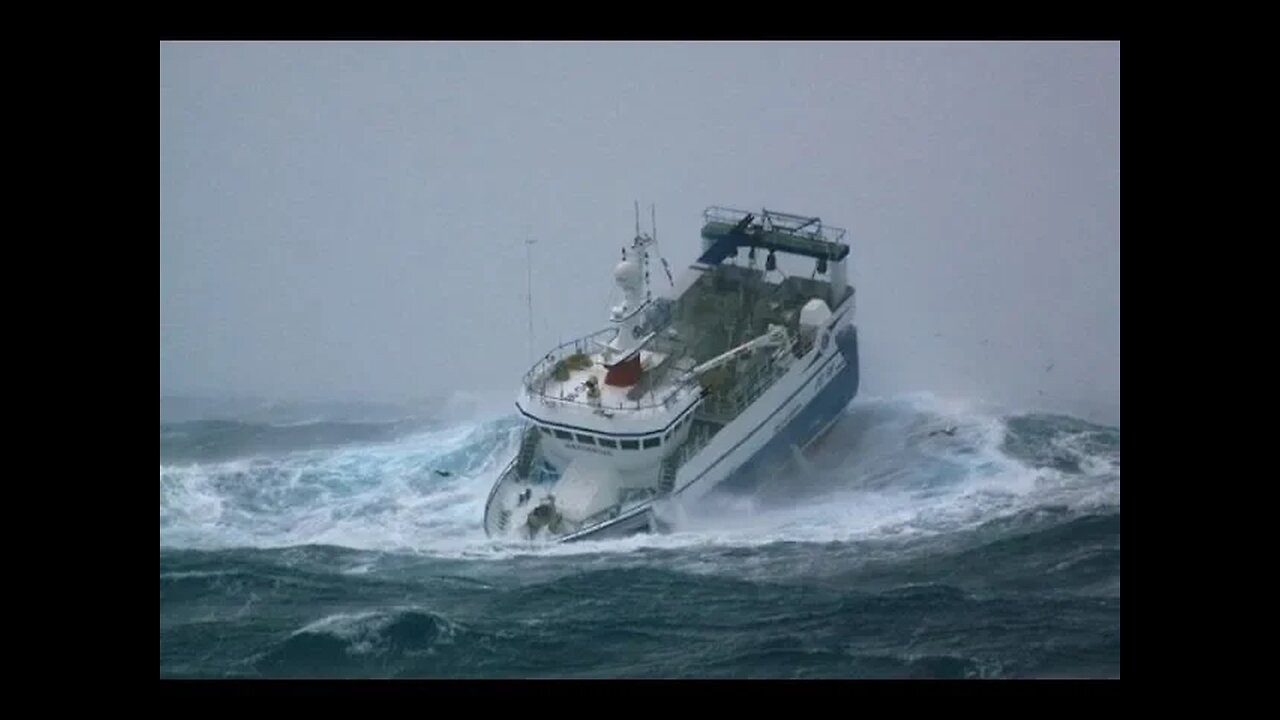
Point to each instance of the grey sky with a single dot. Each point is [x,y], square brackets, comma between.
[346,220]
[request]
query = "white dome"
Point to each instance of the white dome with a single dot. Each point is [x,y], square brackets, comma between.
[814,313]
[627,274]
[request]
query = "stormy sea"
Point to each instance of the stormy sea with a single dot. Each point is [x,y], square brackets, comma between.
[920,539]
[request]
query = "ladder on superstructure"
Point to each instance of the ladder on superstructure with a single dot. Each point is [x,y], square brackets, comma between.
[528,448]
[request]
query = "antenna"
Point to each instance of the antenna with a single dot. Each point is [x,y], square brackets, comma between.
[653,223]
[637,218]
[528,245]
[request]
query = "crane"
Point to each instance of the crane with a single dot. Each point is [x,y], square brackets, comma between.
[777,335]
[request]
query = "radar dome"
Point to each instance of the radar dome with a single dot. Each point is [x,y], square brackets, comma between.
[627,274]
[814,313]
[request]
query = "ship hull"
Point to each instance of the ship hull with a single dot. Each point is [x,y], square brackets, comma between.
[759,454]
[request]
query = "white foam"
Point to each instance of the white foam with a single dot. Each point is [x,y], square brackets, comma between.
[892,482]
[383,497]
[363,631]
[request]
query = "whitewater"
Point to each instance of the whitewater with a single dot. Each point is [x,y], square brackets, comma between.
[339,548]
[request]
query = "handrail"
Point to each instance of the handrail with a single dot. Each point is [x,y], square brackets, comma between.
[733,216]
[554,356]
[664,402]
[502,479]
[580,345]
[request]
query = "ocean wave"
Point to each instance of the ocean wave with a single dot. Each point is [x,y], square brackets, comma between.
[892,471]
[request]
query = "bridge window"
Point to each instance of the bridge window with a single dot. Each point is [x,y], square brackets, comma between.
[586,439]
[652,442]
[630,444]
[545,430]
[563,435]
[605,442]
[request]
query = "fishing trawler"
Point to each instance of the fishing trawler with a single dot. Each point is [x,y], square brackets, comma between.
[732,374]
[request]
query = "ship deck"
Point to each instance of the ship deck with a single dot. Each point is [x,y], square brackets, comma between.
[569,382]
